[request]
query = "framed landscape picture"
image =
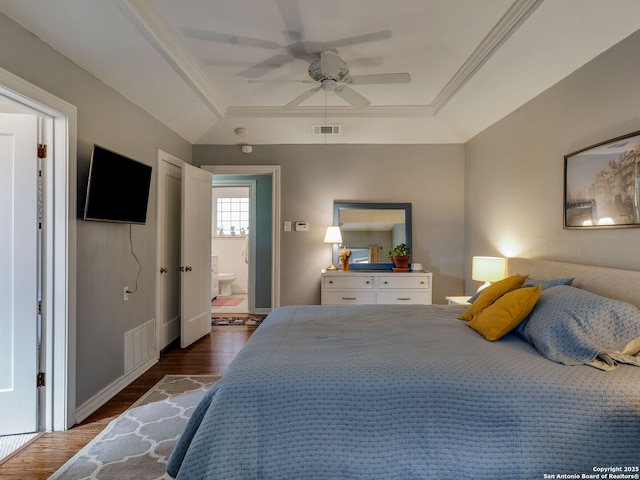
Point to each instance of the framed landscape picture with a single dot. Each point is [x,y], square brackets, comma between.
[602,185]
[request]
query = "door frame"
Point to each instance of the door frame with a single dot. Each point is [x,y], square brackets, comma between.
[251,277]
[59,248]
[162,156]
[274,171]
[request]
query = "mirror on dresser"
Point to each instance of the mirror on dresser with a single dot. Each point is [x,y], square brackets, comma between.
[369,230]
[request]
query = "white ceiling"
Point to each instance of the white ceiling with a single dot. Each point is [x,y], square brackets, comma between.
[188,63]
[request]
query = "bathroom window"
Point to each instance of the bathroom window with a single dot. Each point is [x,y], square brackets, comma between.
[232,214]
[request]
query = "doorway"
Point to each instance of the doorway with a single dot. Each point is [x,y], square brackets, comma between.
[266,267]
[57,237]
[183,302]
[232,250]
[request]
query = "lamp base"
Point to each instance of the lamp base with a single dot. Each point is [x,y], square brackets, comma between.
[483,286]
[331,268]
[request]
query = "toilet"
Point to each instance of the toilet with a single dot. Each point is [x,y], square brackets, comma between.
[225,280]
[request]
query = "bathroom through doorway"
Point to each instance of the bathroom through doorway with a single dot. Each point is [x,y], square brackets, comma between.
[232,224]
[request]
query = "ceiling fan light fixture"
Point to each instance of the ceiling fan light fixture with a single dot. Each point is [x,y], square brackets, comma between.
[333,75]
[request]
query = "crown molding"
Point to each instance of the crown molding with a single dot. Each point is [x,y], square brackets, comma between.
[499,34]
[151,25]
[389,111]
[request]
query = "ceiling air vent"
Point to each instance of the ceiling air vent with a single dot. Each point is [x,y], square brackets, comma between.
[327,129]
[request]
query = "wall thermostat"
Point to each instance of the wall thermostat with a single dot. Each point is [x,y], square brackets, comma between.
[302,226]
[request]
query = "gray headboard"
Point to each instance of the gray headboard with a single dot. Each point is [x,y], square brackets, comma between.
[608,282]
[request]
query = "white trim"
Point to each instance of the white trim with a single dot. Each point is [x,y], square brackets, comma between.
[499,34]
[274,171]
[160,36]
[251,185]
[162,156]
[59,269]
[379,111]
[110,391]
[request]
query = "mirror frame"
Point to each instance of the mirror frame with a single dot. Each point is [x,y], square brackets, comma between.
[406,207]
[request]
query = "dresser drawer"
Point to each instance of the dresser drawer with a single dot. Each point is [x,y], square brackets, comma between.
[414,297]
[403,281]
[348,298]
[346,281]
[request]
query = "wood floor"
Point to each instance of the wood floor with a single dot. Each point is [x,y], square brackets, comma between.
[208,356]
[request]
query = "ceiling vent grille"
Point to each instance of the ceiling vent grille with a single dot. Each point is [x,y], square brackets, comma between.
[327,129]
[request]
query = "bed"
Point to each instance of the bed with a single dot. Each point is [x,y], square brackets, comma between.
[404,392]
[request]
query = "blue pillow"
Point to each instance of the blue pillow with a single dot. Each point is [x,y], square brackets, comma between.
[547,283]
[572,326]
[534,283]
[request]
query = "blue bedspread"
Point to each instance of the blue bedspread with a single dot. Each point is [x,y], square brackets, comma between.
[404,392]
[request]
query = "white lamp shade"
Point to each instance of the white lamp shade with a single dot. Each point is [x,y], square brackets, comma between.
[333,235]
[488,269]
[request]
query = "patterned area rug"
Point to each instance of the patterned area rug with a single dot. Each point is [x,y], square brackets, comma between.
[249,321]
[138,443]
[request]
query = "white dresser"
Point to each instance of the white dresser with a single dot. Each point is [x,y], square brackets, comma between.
[375,287]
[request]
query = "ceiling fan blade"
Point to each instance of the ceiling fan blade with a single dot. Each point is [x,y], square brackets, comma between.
[343,42]
[265,66]
[301,98]
[198,34]
[351,96]
[378,78]
[366,61]
[253,80]
[290,12]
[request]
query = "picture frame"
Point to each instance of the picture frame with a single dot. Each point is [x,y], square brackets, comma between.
[602,185]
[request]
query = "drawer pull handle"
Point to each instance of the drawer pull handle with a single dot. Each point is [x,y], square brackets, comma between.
[404,298]
[330,281]
[348,298]
[386,283]
[367,282]
[422,282]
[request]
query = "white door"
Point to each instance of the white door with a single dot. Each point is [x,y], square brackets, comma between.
[169,225]
[18,273]
[195,264]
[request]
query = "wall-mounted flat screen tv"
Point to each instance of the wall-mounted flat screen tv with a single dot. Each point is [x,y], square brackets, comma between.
[118,188]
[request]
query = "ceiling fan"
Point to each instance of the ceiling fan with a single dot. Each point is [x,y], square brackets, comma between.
[333,74]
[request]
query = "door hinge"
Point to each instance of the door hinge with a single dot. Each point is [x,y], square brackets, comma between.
[40,379]
[42,150]
[39,307]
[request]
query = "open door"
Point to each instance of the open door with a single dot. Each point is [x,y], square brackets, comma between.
[195,262]
[19,274]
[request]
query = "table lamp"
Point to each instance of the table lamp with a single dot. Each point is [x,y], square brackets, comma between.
[488,269]
[333,236]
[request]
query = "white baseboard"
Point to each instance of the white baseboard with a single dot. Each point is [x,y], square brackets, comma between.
[107,393]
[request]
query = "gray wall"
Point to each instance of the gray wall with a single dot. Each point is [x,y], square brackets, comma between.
[104,262]
[431,177]
[514,170]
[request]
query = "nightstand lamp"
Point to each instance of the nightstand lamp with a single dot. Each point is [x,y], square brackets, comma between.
[488,269]
[333,236]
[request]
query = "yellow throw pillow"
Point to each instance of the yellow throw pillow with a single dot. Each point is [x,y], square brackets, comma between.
[491,294]
[506,313]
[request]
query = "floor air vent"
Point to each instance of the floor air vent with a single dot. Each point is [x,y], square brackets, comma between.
[327,129]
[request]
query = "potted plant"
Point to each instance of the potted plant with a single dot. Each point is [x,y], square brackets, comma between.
[399,255]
